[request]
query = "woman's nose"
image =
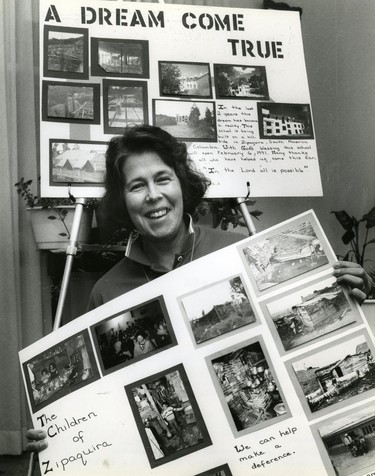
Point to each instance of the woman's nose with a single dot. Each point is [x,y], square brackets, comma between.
[153,193]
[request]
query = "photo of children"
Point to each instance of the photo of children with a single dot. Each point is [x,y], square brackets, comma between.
[167,416]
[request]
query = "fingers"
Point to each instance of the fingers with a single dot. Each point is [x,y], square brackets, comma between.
[354,276]
[36,440]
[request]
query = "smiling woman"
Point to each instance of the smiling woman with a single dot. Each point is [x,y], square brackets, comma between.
[153,188]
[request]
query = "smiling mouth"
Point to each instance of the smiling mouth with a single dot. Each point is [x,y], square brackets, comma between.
[158,213]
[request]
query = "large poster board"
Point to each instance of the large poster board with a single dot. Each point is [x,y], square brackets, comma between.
[229,82]
[251,360]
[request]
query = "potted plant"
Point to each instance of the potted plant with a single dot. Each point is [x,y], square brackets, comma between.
[225,212]
[359,235]
[52,218]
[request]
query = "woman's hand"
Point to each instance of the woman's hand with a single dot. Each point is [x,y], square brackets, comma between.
[355,277]
[36,440]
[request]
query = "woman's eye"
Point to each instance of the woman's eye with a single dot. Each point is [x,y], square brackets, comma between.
[136,186]
[164,179]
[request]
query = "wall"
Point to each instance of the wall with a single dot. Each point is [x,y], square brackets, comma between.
[339,39]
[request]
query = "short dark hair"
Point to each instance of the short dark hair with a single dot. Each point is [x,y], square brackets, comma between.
[145,138]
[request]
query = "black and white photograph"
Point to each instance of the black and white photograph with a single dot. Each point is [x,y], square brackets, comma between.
[336,373]
[349,442]
[186,120]
[78,162]
[60,370]
[285,121]
[284,254]
[66,52]
[239,81]
[181,79]
[222,470]
[167,416]
[119,58]
[247,387]
[218,309]
[135,334]
[311,312]
[124,104]
[71,102]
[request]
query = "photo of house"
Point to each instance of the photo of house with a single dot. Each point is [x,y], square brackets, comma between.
[184,79]
[286,121]
[337,373]
[349,441]
[77,162]
[185,119]
[66,52]
[249,389]
[284,255]
[119,57]
[310,313]
[218,309]
[243,82]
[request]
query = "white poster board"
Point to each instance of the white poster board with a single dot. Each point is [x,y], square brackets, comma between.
[229,82]
[253,361]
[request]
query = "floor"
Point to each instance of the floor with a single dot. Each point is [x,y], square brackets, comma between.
[17,465]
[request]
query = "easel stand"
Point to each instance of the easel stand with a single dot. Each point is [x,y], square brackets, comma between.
[71,251]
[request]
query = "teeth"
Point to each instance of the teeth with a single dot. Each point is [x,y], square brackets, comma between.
[157,214]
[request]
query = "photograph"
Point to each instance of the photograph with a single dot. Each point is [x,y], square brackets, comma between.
[222,470]
[124,104]
[119,57]
[284,255]
[135,334]
[239,81]
[284,121]
[62,369]
[77,162]
[71,102]
[311,312]
[248,388]
[336,373]
[167,416]
[218,309]
[185,79]
[186,120]
[65,52]
[349,442]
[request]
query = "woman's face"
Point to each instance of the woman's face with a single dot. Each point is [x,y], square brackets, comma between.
[153,196]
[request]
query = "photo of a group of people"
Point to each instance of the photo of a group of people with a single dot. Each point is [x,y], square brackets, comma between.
[335,373]
[310,312]
[167,416]
[249,390]
[220,308]
[133,335]
[60,370]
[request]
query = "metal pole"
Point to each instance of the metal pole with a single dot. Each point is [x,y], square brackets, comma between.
[70,253]
[246,215]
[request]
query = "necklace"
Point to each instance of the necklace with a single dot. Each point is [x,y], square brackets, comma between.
[190,260]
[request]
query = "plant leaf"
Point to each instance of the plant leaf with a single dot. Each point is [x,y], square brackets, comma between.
[348,236]
[51,217]
[63,234]
[369,218]
[345,220]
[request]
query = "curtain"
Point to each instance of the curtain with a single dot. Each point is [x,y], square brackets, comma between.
[21,321]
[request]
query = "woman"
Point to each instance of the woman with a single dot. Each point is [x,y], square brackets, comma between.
[153,189]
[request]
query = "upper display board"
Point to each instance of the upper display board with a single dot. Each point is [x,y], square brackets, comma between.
[229,82]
